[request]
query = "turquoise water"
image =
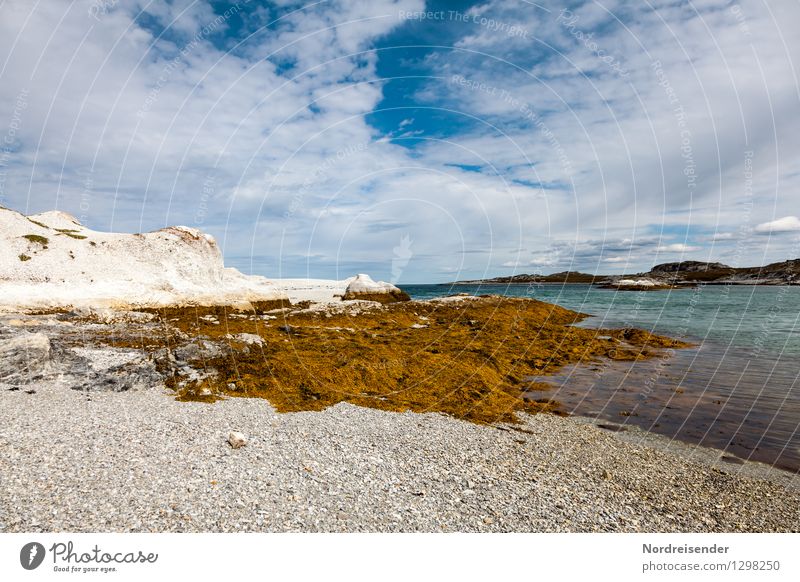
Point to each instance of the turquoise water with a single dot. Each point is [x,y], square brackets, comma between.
[763,320]
[738,390]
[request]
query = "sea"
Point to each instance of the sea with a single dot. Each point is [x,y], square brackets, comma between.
[737,390]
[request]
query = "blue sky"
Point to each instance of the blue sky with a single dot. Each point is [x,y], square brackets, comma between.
[417,142]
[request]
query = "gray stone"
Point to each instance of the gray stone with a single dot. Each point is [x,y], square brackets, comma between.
[24,358]
[197,351]
[249,338]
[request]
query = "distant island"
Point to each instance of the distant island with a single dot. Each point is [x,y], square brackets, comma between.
[665,276]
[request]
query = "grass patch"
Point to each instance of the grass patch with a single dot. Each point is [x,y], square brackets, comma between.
[24,258]
[37,223]
[35,238]
[71,234]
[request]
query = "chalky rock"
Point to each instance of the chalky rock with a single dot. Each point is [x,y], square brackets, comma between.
[364,288]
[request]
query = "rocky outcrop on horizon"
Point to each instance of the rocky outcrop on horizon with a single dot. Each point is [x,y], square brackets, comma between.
[562,277]
[694,272]
[666,276]
[689,267]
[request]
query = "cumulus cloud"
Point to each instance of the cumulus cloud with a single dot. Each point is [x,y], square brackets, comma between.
[677,248]
[785,224]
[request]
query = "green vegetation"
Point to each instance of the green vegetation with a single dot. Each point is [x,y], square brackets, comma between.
[24,258]
[71,234]
[37,223]
[35,238]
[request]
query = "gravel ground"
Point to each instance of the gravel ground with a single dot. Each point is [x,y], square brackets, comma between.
[140,461]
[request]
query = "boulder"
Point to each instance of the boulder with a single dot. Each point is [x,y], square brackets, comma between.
[364,288]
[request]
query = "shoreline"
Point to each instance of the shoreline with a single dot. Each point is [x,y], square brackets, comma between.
[686,401]
[99,430]
[712,458]
[610,288]
[197,370]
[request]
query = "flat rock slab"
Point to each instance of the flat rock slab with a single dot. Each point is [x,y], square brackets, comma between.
[23,357]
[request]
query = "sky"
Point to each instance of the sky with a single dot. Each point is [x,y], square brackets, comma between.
[415,141]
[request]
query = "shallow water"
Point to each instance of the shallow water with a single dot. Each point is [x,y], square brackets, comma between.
[738,390]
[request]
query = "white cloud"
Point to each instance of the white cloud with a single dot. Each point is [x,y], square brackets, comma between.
[722,236]
[677,248]
[785,224]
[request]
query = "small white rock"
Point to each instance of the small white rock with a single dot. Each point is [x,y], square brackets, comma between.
[237,440]
[249,338]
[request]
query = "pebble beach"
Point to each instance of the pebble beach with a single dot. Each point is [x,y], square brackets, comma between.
[140,461]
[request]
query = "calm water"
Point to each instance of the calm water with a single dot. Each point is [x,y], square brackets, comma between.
[738,391]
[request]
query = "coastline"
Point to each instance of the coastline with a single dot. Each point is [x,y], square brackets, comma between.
[490,282]
[82,443]
[198,398]
[598,286]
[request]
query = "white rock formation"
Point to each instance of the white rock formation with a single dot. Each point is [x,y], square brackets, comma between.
[363,287]
[636,283]
[314,290]
[50,260]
